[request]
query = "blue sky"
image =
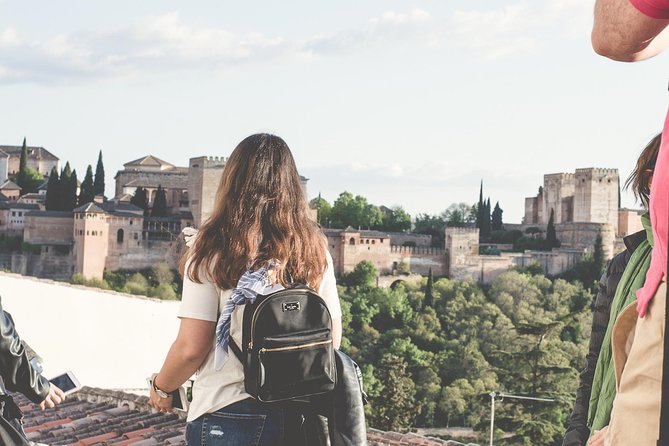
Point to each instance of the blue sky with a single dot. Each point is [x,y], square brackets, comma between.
[408,103]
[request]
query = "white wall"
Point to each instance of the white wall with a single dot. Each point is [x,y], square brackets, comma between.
[108,340]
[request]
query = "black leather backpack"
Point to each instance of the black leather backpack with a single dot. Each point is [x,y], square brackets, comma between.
[287,349]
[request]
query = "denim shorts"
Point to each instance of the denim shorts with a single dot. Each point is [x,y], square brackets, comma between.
[245,423]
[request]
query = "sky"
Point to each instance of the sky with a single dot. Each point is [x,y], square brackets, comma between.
[407,103]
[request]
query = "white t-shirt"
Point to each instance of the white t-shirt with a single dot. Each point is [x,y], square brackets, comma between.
[214,389]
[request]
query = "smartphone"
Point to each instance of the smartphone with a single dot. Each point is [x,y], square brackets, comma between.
[66,382]
[179,397]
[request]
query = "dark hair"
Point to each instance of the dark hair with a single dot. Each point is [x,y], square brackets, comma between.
[260,213]
[640,178]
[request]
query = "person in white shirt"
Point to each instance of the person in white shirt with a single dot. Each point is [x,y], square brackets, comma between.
[260,220]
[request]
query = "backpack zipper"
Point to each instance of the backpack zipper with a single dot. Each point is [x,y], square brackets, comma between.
[255,312]
[294,347]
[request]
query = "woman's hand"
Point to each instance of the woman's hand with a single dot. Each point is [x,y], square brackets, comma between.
[599,438]
[158,403]
[54,397]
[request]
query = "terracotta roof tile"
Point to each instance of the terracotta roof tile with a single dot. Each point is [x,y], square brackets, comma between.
[99,417]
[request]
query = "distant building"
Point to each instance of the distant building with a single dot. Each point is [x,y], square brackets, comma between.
[39,159]
[149,172]
[589,195]
[10,190]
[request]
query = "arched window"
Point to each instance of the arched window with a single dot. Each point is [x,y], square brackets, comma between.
[352,241]
[119,236]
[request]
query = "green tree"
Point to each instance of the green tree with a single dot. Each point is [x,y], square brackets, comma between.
[140,199]
[396,219]
[551,237]
[68,188]
[480,208]
[457,215]
[22,176]
[162,273]
[53,192]
[486,227]
[355,211]
[87,194]
[323,210]
[598,254]
[433,225]
[497,223]
[363,275]
[395,407]
[159,208]
[429,297]
[99,184]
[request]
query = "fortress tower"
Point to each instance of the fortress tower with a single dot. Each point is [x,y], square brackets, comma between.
[596,196]
[589,195]
[204,176]
[558,196]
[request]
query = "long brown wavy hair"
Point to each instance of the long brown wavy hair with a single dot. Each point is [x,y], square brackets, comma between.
[260,214]
[640,178]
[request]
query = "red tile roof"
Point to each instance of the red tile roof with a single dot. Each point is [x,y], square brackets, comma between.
[99,417]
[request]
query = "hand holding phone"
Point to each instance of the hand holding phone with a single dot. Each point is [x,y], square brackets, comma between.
[178,396]
[66,382]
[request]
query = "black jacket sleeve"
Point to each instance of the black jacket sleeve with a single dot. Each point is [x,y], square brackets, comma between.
[577,427]
[15,368]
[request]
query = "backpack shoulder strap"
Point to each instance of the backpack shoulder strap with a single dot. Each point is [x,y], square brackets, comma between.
[236,350]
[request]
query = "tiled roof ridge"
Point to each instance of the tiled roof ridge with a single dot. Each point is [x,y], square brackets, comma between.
[376,437]
[117,397]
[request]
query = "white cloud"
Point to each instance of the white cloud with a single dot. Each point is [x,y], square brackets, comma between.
[155,43]
[517,28]
[390,28]
[166,43]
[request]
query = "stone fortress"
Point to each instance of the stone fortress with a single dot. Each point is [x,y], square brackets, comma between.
[107,235]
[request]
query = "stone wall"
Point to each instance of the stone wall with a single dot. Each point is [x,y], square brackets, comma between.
[49,264]
[52,229]
[419,259]
[582,236]
[148,254]
[420,240]
[629,221]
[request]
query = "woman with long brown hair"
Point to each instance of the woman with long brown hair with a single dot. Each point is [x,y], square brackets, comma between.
[260,234]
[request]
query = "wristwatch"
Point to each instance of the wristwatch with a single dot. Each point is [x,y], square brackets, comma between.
[160,393]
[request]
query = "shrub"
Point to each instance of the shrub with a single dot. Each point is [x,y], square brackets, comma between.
[162,273]
[98,283]
[135,288]
[78,279]
[164,291]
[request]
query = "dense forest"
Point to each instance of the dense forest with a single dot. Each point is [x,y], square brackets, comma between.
[432,352]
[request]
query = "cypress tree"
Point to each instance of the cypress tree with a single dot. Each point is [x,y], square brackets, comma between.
[139,198]
[159,208]
[429,298]
[70,189]
[479,210]
[87,193]
[551,237]
[497,218]
[598,255]
[53,194]
[99,186]
[22,176]
[485,220]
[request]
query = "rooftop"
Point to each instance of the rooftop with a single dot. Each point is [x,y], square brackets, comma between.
[101,417]
[33,152]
